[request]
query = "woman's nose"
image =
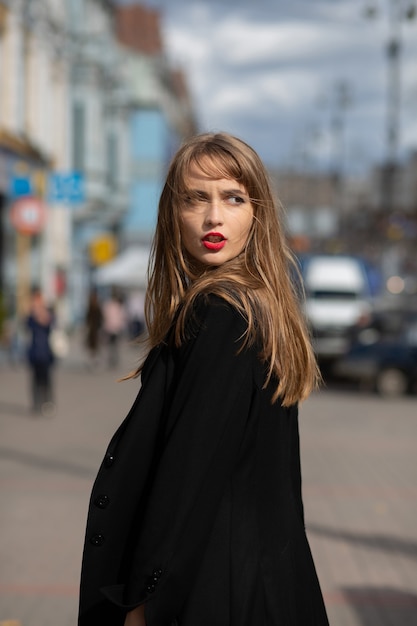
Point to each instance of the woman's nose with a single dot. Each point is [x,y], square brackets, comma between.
[214,213]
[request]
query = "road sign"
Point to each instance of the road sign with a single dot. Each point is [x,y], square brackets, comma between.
[67,187]
[102,249]
[20,186]
[28,215]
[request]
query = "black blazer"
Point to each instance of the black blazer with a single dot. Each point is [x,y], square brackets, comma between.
[196,510]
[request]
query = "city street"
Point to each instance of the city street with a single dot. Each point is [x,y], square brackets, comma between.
[359,457]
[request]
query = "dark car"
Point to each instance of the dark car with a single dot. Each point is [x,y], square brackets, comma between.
[387,365]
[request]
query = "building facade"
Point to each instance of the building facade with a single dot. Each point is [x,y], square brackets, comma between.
[34,133]
[98,111]
[161,115]
[89,117]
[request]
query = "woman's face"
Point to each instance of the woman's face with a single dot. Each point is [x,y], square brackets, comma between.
[215,219]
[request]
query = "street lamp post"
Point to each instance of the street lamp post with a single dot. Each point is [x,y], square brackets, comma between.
[399,10]
[342,100]
[393,51]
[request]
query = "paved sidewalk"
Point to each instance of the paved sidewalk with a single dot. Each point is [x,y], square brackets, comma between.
[360,491]
[359,457]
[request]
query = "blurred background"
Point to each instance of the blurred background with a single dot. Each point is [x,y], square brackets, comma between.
[95,97]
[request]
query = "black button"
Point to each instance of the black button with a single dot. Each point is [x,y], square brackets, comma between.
[97,540]
[150,588]
[157,573]
[102,501]
[108,460]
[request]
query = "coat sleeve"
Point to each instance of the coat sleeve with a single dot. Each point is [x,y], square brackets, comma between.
[206,421]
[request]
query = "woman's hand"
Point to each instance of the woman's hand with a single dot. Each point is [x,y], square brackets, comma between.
[136,617]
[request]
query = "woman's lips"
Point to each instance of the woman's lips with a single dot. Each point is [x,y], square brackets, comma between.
[214,241]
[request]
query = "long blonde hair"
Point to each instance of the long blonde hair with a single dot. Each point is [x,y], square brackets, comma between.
[258,282]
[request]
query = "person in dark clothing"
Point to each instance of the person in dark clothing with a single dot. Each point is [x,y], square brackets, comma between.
[196,515]
[39,323]
[94,324]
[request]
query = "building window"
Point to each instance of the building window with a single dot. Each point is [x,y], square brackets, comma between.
[76,14]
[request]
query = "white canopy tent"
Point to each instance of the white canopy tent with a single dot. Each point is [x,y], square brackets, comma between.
[128,270]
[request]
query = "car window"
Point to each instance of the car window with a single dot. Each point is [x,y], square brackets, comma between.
[411,334]
[324,294]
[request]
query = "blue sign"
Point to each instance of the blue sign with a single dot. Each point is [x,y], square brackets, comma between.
[66,187]
[20,186]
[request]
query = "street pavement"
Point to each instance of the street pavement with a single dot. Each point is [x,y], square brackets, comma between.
[359,459]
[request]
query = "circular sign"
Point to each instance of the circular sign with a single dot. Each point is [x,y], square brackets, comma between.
[28,215]
[102,249]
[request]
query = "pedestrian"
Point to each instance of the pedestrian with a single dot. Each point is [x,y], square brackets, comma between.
[39,323]
[114,325]
[135,304]
[93,324]
[196,515]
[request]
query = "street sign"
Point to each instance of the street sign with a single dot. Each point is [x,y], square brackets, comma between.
[20,186]
[66,187]
[102,249]
[28,215]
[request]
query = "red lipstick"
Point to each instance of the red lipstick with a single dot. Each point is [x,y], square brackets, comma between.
[214,241]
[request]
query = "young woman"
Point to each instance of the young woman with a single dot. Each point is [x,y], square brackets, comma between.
[196,516]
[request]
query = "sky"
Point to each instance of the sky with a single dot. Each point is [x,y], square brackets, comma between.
[304,82]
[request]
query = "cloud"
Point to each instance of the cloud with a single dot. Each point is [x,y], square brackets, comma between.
[249,43]
[276,65]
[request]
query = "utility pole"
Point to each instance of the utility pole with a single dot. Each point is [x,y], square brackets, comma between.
[342,100]
[399,10]
[393,51]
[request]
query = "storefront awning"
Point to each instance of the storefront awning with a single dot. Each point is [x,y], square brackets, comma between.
[22,147]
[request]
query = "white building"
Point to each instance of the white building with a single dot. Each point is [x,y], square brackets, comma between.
[99,110]
[34,135]
[62,113]
[68,101]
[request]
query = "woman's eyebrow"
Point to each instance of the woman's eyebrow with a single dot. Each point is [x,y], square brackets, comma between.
[197,192]
[236,192]
[205,194]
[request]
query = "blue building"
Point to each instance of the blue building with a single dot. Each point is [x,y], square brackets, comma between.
[160,116]
[149,133]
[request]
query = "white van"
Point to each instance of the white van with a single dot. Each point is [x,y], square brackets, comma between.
[338,297]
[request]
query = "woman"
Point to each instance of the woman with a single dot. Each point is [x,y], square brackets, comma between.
[114,325]
[196,516]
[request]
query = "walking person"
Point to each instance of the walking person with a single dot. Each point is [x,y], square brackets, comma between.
[114,326]
[40,356]
[135,304]
[196,515]
[93,324]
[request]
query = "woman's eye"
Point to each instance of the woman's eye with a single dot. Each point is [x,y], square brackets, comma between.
[192,198]
[236,200]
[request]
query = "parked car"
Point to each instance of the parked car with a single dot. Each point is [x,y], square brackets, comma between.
[387,365]
[339,294]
